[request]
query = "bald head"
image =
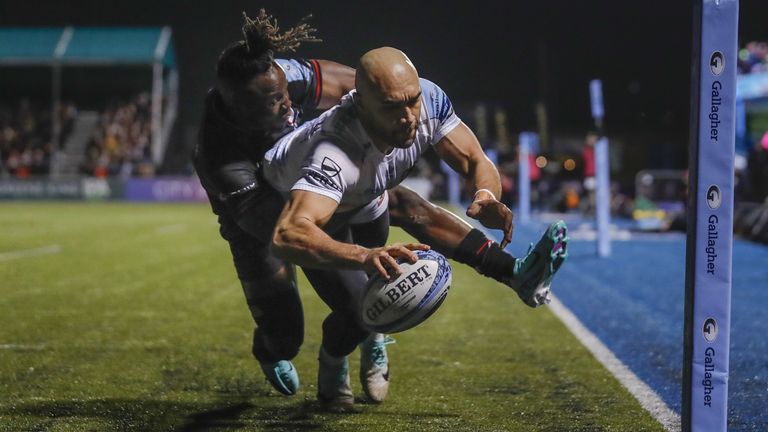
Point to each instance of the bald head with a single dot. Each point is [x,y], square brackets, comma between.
[388,97]
[385,70]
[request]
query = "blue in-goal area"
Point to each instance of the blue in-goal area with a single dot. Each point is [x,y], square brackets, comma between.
[633,302]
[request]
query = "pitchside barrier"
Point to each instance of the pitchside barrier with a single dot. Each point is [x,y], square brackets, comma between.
[710,223]
[157,189]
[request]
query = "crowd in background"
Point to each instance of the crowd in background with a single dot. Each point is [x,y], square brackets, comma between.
[120,145]
[26,134]
[753,57]
[752,178]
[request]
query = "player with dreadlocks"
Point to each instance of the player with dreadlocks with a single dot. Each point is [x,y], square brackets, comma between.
[258,98]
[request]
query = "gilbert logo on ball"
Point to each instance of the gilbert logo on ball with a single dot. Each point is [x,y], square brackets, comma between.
[397,305]
[717,63]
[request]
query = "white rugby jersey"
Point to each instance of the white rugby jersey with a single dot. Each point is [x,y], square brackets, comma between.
[333,156]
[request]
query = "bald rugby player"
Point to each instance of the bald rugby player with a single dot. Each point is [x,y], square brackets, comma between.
[257,99]
[334,172]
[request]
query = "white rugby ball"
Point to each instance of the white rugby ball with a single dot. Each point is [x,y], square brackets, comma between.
[403,303]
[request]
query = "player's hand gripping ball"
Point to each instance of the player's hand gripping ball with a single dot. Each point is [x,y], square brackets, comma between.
[404,302]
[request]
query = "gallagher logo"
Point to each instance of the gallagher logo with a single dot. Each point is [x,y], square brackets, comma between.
[713,197]
[710,329]
[717,63]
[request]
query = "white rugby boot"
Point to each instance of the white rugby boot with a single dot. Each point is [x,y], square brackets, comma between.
[374,366]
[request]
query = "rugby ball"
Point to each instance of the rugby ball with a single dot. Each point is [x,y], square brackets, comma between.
[400,304]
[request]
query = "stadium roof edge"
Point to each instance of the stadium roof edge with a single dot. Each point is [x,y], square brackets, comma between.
[102,46]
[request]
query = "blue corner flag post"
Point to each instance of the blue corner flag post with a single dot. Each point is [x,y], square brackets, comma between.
[710,216]
[602,172]
[524,176]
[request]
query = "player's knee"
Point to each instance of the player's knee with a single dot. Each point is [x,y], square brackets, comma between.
[284,276]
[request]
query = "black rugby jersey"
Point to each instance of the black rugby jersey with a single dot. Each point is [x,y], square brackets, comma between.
[228,158]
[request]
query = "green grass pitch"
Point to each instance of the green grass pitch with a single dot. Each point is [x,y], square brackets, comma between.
[136,321]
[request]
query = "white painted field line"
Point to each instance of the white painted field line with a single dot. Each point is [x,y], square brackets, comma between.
[25,253]
[170,229]
[648,398]
[640,390]
[22,347]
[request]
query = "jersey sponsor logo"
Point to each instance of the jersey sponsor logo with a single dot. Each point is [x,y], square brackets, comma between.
[320,178]
[332,170]
[330,167]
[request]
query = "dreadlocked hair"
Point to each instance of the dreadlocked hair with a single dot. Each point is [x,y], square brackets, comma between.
[254,54]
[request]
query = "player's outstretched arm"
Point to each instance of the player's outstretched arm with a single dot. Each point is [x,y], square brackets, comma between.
[426,222]
[300,239]
[461,150]
[337,80]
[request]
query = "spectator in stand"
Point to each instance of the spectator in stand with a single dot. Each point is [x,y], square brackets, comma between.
[25,139]
[120,146]
[753,57]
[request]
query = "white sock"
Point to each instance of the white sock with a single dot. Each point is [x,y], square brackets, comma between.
[377,337]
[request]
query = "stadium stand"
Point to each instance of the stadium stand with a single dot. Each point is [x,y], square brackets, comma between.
[25,136]
[120,142]
[97,133]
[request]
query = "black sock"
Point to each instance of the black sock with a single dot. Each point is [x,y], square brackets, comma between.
[487,257]
[497,264]
[472,249]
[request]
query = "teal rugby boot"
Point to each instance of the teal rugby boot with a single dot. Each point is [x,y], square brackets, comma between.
[282,375]
[533,273]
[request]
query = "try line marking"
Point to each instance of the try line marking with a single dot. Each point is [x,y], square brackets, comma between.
[25,253]
[648,398]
